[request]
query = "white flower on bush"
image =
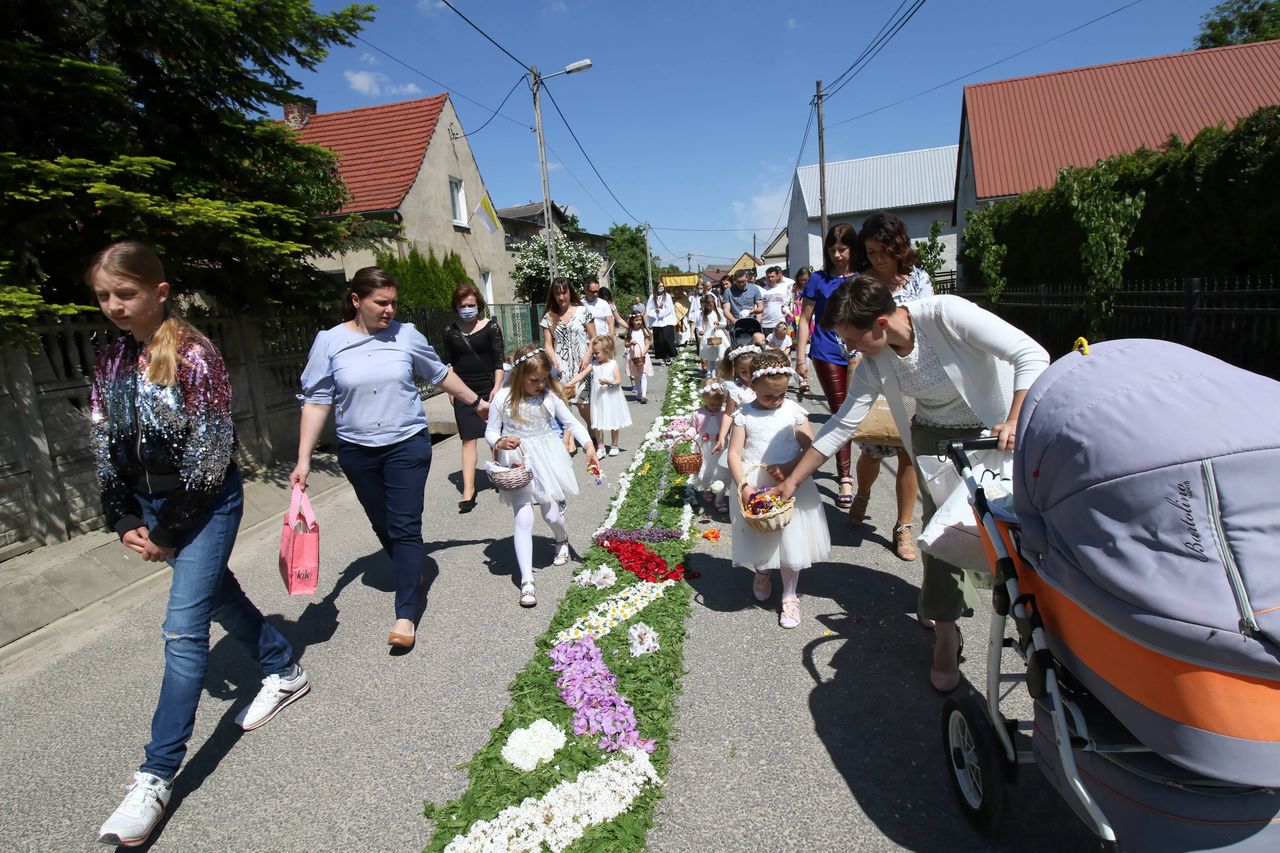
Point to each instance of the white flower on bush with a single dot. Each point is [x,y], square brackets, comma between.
[527,748]
[643,639]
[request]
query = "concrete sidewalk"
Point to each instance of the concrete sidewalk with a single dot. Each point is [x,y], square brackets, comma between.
[59,581]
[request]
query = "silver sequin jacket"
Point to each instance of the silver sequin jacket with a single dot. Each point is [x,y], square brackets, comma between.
[174,441]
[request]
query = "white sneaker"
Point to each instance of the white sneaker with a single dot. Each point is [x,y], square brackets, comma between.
[142,808]
[613,451]
[276,692]
[527,596]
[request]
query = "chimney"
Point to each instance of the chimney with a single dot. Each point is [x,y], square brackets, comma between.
[297,113]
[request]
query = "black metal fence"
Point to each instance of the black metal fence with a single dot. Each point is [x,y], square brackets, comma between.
[1234,318]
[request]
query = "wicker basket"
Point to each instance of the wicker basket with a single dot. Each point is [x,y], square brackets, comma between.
[511,479]
[687,463]
[715,341]
[768,522]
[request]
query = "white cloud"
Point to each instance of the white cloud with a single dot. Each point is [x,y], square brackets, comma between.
[792,24]
[369,58]
[377,83]
[553,166]
[763,209]
[427,7]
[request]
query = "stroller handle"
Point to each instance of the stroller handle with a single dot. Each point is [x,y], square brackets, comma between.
[956,450]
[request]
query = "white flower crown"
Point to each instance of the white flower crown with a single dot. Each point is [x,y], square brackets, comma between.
[745,349]
[771,371]
[711,386]
[530,354]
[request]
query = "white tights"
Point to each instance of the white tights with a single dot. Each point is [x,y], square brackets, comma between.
[524,535]
[642,385]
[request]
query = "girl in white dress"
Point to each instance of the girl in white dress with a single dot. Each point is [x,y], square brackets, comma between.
[639,364]
[519,431]
[608,405]
[706,423]
[711,326]
[735,373]
[774,432]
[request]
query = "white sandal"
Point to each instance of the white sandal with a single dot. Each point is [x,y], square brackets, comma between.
[562,553]
[527,598]
[790,617]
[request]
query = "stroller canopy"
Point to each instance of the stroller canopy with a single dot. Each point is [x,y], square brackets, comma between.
[1145,483]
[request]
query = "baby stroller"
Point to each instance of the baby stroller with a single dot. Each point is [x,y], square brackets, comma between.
[1137,561]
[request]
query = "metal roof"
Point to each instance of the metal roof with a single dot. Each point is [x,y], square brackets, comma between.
[885,182]
[1024,129]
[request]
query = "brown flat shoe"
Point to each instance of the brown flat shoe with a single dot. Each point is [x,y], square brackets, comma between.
[402,641]
[904,543]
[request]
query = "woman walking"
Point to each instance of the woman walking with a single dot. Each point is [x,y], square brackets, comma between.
[365,366]
[162,437]
[473,347]
[888,256]
[819,345]
[965,369]
[660,316]
[567,329]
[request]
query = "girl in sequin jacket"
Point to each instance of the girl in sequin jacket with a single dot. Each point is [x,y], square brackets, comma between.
[163,436]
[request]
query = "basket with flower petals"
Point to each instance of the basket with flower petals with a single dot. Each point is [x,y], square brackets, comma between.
[763,511]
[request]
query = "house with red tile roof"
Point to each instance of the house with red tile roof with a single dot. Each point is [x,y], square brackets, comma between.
[409,163]
[1016,134]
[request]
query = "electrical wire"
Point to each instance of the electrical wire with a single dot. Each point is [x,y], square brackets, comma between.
[587,156]
[1062,34]
[707,230]
[523,77]
[488,37]
[888,37]
[804,140]
[857,59]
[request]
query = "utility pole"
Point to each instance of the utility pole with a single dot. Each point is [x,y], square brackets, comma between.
[688,262]
[549,227]
[822,168]
[753,247]
[648,259]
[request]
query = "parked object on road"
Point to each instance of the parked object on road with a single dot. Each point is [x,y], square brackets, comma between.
[163,436]
[300,546]
[1152,661]
[365,367]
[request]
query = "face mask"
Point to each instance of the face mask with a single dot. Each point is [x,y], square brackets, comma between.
[469,312]
[661,290]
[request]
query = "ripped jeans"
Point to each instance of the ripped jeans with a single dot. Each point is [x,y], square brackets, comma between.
[203,589]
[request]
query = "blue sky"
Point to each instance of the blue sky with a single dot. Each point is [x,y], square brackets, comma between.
[693,111]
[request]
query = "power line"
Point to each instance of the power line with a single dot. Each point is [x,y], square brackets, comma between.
[523,77]
[893,16]
[804,140]
[989,65]
[888,37]
[578,142]
[709,230]
[450,89]
[490,38]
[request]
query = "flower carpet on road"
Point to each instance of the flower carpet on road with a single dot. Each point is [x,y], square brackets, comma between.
[600,678]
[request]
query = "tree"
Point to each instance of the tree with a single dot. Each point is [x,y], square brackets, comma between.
[571,222]
[1239,22]
[144,119]
[573,261]
[931,251]
[627,251]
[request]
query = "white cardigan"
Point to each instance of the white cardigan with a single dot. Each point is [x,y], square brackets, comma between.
[500,416]
[986,359]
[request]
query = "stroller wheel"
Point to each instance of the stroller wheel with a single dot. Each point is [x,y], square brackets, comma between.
[974,758]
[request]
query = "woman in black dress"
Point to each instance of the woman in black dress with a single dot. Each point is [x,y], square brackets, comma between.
[473,346]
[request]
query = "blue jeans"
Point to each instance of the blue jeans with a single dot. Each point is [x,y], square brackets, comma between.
[203,589]
[389,482]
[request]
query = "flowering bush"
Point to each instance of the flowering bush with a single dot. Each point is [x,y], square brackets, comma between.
[527,748]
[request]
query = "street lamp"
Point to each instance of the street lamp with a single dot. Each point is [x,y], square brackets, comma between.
[548,223]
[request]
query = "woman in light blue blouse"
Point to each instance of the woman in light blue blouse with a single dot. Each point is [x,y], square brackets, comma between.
[365,367]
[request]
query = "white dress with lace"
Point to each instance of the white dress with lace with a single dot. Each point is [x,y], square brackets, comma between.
[771,439]
[540,448]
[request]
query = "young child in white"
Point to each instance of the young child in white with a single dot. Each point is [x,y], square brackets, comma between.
[714,335]
[707,422]
[735,373]
[608,404]
[639,365]
[780,339]
[774,432]
[519,430]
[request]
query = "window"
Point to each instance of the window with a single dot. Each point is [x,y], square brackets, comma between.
[458,199]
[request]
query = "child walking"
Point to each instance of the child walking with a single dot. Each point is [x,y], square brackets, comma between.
[707,422]
[639,365]
[608,404]
[715,337]
[735,370]
[774,432]
[519,430]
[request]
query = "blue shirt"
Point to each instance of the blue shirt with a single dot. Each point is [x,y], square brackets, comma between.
[824,345]
[743,300]
[368,379]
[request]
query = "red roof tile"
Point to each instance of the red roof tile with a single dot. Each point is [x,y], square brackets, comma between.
[1024,129]
[380,149]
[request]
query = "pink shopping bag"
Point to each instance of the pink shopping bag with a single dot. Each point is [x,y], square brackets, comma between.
[300,546]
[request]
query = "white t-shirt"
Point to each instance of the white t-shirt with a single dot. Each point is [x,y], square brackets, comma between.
[601,313]
[776,300]
[773,342]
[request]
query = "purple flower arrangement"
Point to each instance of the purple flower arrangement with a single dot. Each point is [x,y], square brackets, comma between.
[590,690]
[648,534]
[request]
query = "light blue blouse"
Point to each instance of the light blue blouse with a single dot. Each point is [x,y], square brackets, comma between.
[368,379]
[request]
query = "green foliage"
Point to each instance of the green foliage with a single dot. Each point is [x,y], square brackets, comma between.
[145,119]
[627,251]
[574,261]
[932,251]
[1239,22]
[424,282]
[571,222]
[1208,207]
